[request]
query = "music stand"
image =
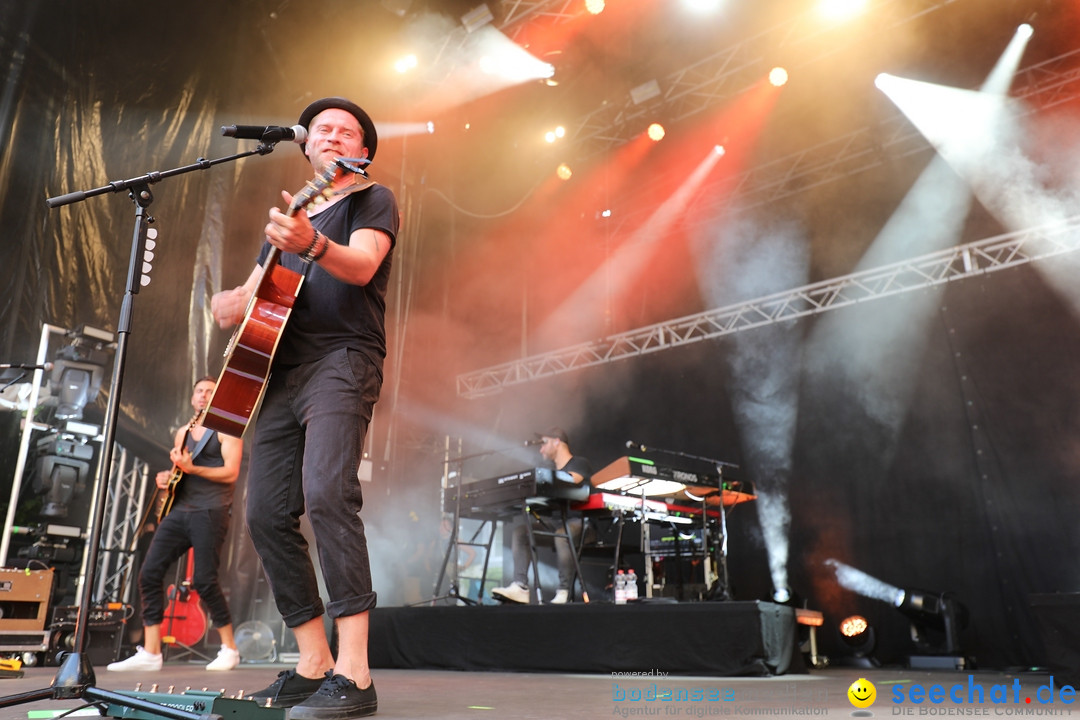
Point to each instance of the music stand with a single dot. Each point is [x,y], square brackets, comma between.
[75,679]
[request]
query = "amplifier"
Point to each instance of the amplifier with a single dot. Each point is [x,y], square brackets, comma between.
[669,541]
[24,599]
[68,615]
[104,632]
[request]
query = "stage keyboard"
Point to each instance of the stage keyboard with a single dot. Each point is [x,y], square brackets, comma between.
[629,471]
[648,508]
[503,496]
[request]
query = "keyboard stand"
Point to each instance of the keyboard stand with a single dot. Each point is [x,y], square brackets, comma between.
[529,515]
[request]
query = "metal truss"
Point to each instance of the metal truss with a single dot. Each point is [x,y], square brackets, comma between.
[127,504]
[718,78]
[516,15]
[963,261]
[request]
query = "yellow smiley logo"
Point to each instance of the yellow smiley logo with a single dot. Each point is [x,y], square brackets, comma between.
[862,693]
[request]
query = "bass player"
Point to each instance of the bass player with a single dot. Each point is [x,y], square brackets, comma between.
[196,504]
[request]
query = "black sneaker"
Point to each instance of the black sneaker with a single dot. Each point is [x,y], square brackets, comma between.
[337,699]
[289,689]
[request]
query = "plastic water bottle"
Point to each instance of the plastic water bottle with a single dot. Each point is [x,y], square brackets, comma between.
[631,585]
[620,588]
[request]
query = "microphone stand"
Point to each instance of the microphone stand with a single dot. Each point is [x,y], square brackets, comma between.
[75,678]
[721,589]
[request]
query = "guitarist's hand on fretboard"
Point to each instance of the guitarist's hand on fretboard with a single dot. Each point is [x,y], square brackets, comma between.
[162,479]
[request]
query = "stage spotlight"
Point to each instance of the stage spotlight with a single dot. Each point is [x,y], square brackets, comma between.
[405,64]
[594,7]
[552,135]
[656,132]
[645,92]
[702,6]
[563,172]
[858,636]
[778,77]
[62,467]
[477,18]
[839,10]
[76,379]
[936,620]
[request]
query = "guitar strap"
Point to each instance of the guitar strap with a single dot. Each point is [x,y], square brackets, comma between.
[202,443]
[359,186]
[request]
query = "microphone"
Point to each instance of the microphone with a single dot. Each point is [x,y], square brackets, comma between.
[531,443]
[266,133]
[640,447]
[20,366]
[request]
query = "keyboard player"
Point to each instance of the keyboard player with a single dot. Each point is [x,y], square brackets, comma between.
[555,448]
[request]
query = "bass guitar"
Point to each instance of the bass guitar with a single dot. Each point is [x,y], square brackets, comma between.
[253,345]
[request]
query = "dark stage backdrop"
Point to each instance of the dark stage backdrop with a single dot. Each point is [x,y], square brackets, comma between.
[967,484]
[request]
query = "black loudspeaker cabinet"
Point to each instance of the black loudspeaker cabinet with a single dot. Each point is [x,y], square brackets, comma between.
[104,634]
[1058,618]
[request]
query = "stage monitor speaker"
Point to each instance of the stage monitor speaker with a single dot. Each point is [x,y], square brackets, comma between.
[1058,618]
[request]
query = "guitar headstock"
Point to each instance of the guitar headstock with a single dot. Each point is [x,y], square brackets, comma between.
[314,189]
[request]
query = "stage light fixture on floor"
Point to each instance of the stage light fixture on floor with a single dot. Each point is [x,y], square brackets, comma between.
[859,638]
[936,621]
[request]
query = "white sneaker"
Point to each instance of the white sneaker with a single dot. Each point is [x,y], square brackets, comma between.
[514,592]
[141,660]
[226,659]
[561,597]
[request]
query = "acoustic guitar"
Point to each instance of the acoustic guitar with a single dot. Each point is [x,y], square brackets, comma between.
[253,345]
[185,620]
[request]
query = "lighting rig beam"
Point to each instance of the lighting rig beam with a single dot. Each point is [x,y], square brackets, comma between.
[963,261]
[715,79]
[1043,86]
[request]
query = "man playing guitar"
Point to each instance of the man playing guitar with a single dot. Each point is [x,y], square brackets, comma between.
[199,504]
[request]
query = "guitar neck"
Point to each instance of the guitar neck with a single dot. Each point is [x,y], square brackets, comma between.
[300,201]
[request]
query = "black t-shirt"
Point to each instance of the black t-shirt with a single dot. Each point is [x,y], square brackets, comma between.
[330,315]
[195,492]
[580,466]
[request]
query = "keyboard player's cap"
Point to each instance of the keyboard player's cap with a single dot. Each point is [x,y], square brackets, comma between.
[555,432]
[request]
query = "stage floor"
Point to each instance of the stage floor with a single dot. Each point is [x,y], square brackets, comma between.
[496,695]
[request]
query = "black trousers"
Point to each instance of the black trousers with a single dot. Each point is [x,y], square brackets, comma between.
[203,530]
